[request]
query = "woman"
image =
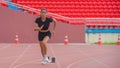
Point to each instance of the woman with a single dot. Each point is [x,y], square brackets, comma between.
[42,25]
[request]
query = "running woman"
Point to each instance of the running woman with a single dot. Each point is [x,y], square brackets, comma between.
[42,24]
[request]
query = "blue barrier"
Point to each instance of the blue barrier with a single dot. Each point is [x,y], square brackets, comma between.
[11,6]
[14,7]
[102,30]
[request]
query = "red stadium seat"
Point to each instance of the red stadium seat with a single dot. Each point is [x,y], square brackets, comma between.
[4,4]
[78,8]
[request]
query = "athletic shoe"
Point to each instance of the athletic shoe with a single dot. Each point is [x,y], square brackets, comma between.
[48,60]
[43,61]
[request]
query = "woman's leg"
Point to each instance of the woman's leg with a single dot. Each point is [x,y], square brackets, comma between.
[42,48]
[43,45]
[45,40]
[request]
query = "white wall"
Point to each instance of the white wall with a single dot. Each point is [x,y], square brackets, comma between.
[106,37]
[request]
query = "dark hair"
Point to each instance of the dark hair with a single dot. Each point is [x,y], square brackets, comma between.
[43,9]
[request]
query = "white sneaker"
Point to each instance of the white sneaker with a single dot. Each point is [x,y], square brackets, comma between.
[43,62]
[48,60]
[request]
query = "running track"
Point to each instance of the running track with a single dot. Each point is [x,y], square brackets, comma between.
[70,56]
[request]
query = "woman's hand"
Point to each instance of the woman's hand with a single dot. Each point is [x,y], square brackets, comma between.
[41,27]
[36,28]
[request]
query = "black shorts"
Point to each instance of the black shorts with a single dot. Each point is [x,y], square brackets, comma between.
[41,35]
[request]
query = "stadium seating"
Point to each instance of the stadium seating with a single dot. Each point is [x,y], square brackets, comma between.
[80,9]
[77,8]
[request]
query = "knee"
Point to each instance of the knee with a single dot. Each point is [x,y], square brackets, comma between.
[43,43]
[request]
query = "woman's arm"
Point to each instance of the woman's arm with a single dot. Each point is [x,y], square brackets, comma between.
[54,26]
[37,28]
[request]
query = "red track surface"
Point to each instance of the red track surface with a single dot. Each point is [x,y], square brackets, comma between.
[70,56]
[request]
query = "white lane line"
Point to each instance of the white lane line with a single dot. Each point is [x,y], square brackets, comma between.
[58,64]
[4,47]
[8,57]
[32,61]
[68,44]
[20,56]
[71,64]
[92,58]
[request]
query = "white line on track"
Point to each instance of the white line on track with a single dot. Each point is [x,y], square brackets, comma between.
[71,64]
[92,58]
[6,46]
[58,64]
[32,61]
[20,56]
[8,57]
[95,59]
[68,44]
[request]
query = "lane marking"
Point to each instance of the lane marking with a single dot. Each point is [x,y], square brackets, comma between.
[20,56]
[1,48]
[92,58]
[32,61]
[8,57]
[58,64]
